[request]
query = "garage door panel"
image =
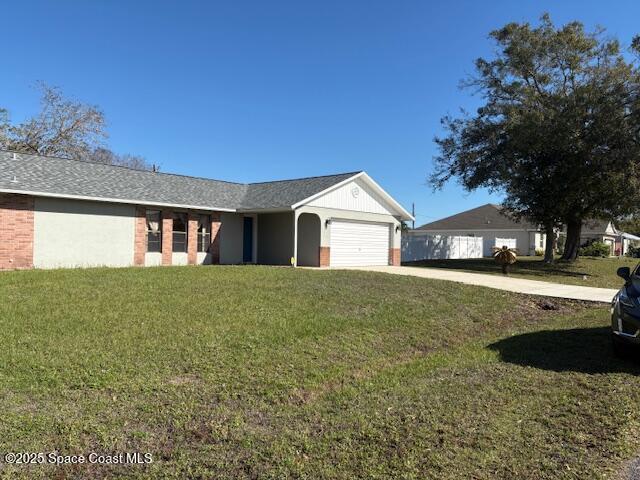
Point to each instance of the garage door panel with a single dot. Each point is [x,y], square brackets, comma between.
[359,244]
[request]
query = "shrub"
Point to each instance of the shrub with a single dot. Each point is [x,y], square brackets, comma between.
[633,252]
[595,249]
[539,252]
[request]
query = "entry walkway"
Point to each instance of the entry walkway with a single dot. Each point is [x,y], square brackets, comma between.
[510,284]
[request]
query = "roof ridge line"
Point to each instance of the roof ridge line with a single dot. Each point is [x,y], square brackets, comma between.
[90,162]
[306,178]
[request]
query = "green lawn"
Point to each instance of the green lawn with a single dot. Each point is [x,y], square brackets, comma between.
[588,271]
[257,372]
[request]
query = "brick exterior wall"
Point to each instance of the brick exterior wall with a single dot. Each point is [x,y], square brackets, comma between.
[325,256]
[16,231]
[140,239]
[192,239]
[16,234]
[394,256]
[214,247]
[167,237]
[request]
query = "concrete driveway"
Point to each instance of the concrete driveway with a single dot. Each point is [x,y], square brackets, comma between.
[510,284]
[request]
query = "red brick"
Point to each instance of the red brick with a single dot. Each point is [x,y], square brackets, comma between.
[325,256]
[16,231]
[214,248]
[192,239]
[394,256]
[167,237]
[140,245]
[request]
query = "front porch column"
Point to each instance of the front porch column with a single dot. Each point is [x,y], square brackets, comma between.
[296,214]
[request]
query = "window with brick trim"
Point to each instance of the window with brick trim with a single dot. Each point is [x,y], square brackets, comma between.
[179,232]
[154,231]
[204,233]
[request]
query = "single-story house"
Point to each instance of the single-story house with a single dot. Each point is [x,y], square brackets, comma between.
[496,227]
[605,231]
[57,212]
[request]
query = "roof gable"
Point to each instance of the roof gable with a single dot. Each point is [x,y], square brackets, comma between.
[598,225]
[353,195]
[373,200]
[485,217]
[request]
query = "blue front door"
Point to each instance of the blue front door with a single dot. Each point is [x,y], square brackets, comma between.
[247,243]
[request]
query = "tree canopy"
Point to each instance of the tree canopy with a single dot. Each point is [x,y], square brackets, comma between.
[559,130]
[64,128]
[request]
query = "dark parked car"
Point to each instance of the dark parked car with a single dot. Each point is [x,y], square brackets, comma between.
[625,311]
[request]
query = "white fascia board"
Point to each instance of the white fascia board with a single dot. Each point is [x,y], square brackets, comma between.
[264,210]
[115,200]
[405,215]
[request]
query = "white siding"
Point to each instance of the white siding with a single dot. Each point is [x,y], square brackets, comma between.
[75,233]
[359,244]
[354,195]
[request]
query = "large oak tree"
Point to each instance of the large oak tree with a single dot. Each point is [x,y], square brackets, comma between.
[559,130]
[64,128]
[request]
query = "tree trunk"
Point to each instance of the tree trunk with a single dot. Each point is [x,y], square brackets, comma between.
[572,243]
[505,268]
[550,242]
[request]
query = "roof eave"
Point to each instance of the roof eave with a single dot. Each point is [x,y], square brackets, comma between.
[115,200]
[264,210]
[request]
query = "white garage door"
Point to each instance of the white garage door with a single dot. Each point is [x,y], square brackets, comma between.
[359,244]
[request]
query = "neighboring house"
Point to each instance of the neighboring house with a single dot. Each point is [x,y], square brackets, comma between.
[600,231]
[65,213]
[492,224]
[606,232]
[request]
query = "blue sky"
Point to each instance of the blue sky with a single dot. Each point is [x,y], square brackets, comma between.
[254,91]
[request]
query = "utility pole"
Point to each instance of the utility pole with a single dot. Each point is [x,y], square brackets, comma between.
[413,214]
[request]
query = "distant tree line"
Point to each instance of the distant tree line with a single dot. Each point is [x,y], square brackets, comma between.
[558,132]
[64,128]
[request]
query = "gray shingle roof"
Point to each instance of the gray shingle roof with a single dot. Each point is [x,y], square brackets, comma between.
[58,176]
[595,225]
[288,192]
[485,217]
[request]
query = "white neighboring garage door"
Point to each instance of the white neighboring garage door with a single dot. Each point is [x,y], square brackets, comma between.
[359,244]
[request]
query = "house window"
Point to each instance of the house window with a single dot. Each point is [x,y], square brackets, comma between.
[204,233]
[179,232]
[154,231]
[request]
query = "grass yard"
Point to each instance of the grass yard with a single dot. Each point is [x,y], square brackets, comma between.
[257,372]
[587,271]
